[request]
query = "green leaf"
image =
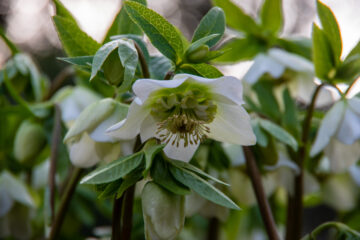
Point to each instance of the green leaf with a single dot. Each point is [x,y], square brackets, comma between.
[271,15]
[267,100]
[150,149]
[322,54]
[83,61]
[138,39]
[161,175]
[110,189]
[202,187]
[349,69]
[236,18]
[299,46]
[212,23]
[354,51]
[198,43]
[164,36]
[128,181]
[289,117]
[101,55]
[159,66]
[240,49]
[279,133]
[114,170]
[129,59]
[331,29]
[261,137]
[203,69]
[198,171]
[217,156]
[122,24]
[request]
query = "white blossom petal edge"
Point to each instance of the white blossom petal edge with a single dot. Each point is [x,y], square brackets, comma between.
[184,111]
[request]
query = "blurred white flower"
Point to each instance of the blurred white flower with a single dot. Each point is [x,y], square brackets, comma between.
[86,139]
[183,111]
[339,134]
[301,75]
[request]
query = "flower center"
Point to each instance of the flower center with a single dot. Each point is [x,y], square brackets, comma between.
[183,115]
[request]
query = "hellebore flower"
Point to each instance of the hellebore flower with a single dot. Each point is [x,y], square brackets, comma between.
[298,73]
[339,133]
[184,111]
[86,139]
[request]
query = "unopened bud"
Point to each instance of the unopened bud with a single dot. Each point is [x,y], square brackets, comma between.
[199,54]
[163,212]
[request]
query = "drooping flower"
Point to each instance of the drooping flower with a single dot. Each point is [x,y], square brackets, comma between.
[339,134]
[184,111]
[299,74]
[86,139]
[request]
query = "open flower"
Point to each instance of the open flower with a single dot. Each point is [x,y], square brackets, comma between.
[339,134]
[297,72]
[184,111]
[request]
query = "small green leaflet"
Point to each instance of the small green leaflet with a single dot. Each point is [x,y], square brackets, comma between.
[114,170]
[82,61]
[129,59]
[278,133]
[212,23]
[322,54]
[196,44]
[271,15]
[203,69]
[150,149]
[331,29]
[164,36]
[74,41]
[261,137]
[101,56]
[202,187]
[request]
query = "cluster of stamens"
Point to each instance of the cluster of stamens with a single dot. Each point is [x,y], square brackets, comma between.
[183,116]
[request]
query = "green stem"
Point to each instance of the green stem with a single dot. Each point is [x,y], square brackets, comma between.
[128,213]
[213,229]
[295,202]
[143,64]
[264,206]
[64,204]
[169,75]
[339,226]
[9,43]
[116,218]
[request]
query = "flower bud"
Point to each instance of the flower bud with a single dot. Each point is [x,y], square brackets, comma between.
[29,141]
[163,212]
[198,55]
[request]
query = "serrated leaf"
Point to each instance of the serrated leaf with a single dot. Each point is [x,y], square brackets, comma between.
[122,24]
[271,15]
[202,187]
[160,173]
[322,54]
[198,171]
[331,29]
[236,18]
[114,170]
[138,40]
[203,69]
[212,23]
[279,133]
[150,149]
[161,33]
[240,49]
[82,61]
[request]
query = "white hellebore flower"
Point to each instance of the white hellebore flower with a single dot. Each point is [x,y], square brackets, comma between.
[276,61]
[87,141]
[183,111]
[339,134]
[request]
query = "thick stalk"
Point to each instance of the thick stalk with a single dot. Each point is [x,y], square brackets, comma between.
[295,202]
[64,204]
[59,81]
[168,75]
[143,64]
[55,141]
[264,206]
[213,229]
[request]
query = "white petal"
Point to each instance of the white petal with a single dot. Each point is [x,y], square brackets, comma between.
[328,127]
[148,128]
[180,153]
[232,125]
[291,61]
[263,64]
[349,130]
[143,87]
[342,156]
[108,152]
[226,89]
[129,127]
[354,104]
[82,153]
[99,133]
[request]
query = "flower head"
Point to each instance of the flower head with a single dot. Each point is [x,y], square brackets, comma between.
[184,111]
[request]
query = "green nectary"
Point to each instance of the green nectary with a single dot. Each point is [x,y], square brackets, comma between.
[183,112]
